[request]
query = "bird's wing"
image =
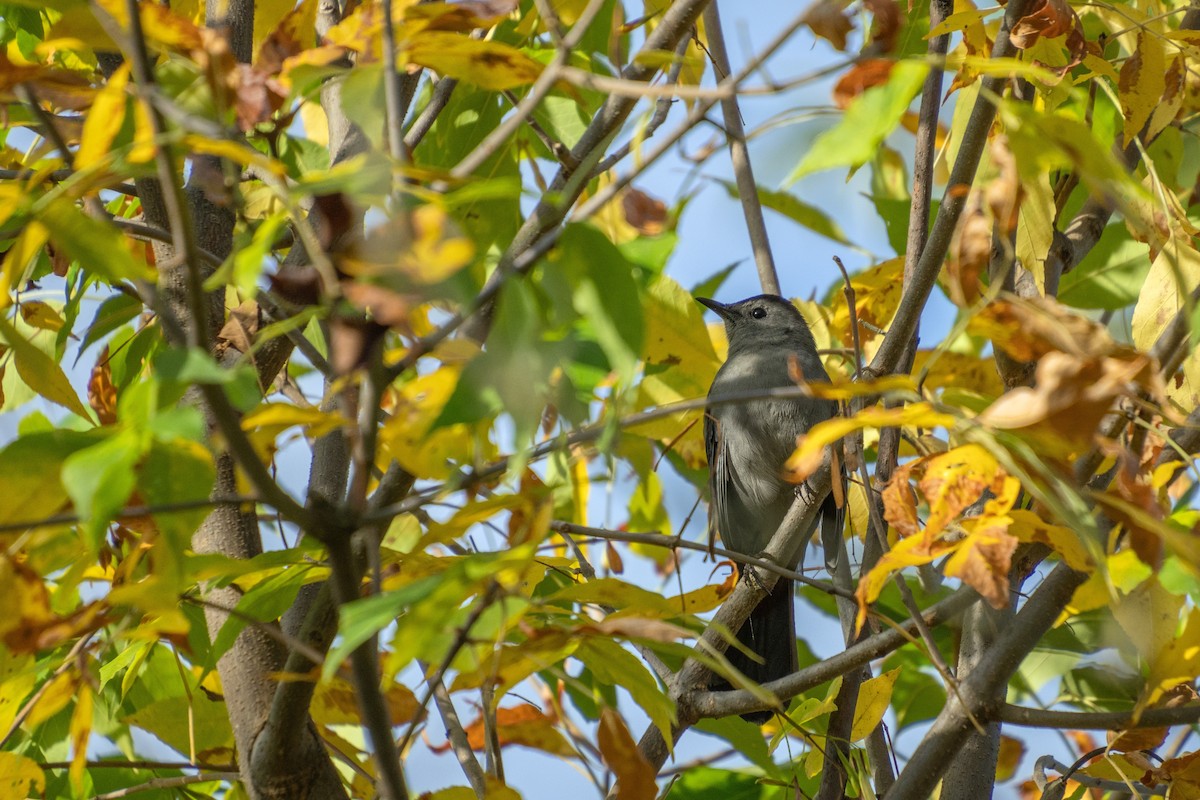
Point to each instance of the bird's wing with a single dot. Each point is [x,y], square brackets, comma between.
[718,475]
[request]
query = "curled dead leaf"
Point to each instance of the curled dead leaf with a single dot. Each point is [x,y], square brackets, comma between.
[829,20]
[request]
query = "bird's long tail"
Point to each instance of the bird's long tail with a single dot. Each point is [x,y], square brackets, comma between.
[771,633]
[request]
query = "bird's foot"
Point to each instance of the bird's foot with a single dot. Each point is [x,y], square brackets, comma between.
[805,493]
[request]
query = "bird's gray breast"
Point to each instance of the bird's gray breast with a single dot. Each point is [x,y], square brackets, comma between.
[759,435]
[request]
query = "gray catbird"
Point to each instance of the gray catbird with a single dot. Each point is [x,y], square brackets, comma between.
[747,444]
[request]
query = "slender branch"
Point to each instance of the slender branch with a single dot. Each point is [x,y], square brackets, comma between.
[537,92]
[364,672]
[705,704]
[675,543]
[132,512]
[271,629]
[457,737]
[49,128]
[60,176]
[26,709]
[168,783]
[137,764]
[739,154]
[424,122]
[979,690]
[975,134]
[1099,720]
[393,102]
[662,109]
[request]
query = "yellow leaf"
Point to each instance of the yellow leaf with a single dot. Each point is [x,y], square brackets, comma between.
[233,151]
[17,679]
[1178,662]
[844,389]
[953,480]
[40,372]
[809,450]
[79,730]
[280,416]
[21,253]
[873,700]
[409,436]
[1029,527]
[485,63]
[20,777]
[909,552]
[876,298]
[267,16]
[681,364]
[1142,83]
[1149,615]
[41,315]
[103,121]
[1011,752]
[55,697]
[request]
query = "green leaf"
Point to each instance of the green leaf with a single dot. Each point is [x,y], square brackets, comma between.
[99,248]
[1111,276]
[174,473]
[796,210]
[31,472]
[612,664]
[41,373]
[713,283]
[265,601]
[190,366]
[359,620]
[708,783]
[871,117]
[605,294]
[245,265]
[100,479]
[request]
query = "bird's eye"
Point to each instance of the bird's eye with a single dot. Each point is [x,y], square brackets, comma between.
[758,313]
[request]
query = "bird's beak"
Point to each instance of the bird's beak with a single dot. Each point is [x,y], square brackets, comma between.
[723,311]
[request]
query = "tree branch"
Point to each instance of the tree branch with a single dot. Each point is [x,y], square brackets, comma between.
[916,292]
[739,154]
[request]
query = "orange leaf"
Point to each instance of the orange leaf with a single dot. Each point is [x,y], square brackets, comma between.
[635,776]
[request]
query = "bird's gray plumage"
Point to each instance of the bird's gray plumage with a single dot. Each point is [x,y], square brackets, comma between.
[747,444]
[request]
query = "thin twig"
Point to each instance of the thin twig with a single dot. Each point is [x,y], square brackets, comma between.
[168,783]
[739,155]
[674,543]
[132,512]
[67,663]
[424,122]
[271,629]
[541,87]
[457,737]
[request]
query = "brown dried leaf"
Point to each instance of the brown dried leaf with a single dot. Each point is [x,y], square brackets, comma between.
[970,252]
[864,75]
[635,776]
[640,628]
[1070,396]
[900,503]
[101,393]
[888,20]
[983,561]
[647,215]
[1028,329]
[1047,19]
[829,20]
[524,725]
